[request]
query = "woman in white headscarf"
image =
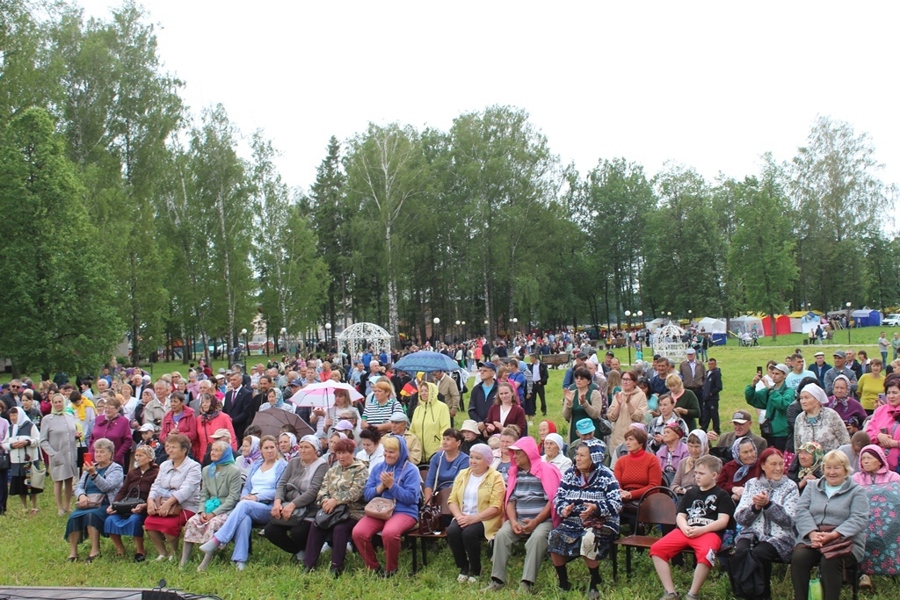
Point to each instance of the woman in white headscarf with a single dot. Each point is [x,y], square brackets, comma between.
[22,443]
[817,423]
[698,445]
[553,453]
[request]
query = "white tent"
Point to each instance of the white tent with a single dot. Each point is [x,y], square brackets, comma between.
[746,324]
[656,324]
[710,325]
[804,324]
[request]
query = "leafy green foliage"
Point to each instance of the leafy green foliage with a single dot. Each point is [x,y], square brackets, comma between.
[57,294]
[762,250]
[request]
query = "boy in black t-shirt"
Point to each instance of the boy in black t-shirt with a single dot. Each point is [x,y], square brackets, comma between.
[704,513]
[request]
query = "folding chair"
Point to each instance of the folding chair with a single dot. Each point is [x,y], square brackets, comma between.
[656,507]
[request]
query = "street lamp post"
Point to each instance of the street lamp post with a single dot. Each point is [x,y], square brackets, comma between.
[628,333]
[515,326]
[640,315]
[848,322]
[327,332]
[284,340]
[434,332]
[458,330]
[464,337]
[246,343]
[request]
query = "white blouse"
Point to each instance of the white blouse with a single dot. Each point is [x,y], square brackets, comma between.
[470,494]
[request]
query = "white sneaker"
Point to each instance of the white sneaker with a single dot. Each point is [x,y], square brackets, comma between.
[471,580]
[462,578]
[326,548]
[240,565]
[349,547]
[300,555]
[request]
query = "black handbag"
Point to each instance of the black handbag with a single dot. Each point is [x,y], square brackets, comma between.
[295,519]
[430,518]
[124,506]
[326,520]
[4,461]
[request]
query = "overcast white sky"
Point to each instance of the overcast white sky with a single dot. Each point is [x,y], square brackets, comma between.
[711,85]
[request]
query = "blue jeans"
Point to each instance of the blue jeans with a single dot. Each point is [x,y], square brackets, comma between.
[239,526]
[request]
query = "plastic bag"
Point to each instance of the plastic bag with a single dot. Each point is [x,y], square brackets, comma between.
[815,588]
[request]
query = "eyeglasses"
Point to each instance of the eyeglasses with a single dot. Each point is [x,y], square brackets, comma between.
[15,387]
[627,379]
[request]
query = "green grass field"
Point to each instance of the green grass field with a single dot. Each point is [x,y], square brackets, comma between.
[33,552]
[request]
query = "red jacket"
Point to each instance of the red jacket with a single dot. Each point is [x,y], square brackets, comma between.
[187,425]
[205,429]
[729,469]
[515,417]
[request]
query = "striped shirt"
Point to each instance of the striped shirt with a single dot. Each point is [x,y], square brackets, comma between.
[529,496]
[376,414]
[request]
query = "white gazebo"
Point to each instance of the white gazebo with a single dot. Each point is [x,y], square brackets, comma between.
[668,341]
[360,336]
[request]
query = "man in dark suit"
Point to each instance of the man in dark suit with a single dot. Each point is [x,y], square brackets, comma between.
[820,367]
[238,405]
[709,401]
[539,378]
[264,385]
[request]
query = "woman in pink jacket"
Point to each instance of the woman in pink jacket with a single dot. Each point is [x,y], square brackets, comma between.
[180,419]
[115,427]
[211,420]
[884,426]
[873,467]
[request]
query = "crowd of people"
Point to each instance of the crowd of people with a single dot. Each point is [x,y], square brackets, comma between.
[183,461]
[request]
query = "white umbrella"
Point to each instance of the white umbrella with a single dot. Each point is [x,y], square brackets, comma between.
[322,394]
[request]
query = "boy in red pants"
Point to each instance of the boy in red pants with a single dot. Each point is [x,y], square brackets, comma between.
[704,513]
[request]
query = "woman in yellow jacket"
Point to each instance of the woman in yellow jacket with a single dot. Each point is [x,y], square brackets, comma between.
[870,385]
[429,419]
[476,503]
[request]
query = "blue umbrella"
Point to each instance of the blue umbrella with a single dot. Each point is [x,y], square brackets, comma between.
[426,361]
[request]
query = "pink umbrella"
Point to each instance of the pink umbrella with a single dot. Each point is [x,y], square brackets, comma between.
[321,395]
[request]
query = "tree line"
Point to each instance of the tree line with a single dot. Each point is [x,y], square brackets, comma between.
[126,214]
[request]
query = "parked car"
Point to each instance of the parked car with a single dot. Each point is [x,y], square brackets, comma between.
[893,320]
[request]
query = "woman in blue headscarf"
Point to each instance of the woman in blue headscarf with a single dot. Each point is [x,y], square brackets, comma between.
[220,492]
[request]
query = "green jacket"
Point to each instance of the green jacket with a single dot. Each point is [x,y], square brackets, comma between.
[775,401]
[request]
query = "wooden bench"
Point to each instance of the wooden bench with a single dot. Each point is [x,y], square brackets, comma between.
[556,360]
[413,536]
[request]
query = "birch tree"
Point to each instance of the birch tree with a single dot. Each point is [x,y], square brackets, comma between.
[218,179]
[384,172]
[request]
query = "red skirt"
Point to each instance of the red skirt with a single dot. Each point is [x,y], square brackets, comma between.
[170,526]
